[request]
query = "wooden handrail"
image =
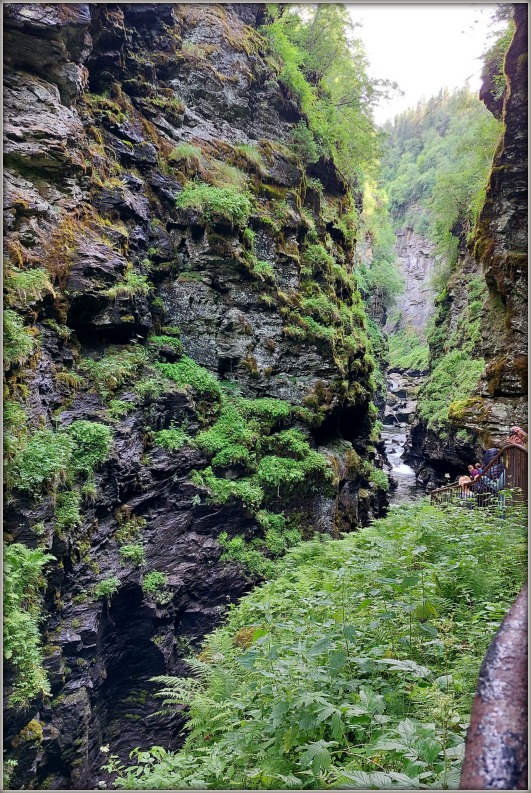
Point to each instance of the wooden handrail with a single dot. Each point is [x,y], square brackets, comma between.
[513,456]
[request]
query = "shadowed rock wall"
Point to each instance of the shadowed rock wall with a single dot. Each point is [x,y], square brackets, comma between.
[97,97]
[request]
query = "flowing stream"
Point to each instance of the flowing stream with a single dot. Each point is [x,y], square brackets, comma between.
[407,488]
[401,404]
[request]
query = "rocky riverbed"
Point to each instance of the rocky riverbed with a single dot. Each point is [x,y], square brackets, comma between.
[399,413]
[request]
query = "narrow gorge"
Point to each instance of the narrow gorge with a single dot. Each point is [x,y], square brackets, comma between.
[207,359]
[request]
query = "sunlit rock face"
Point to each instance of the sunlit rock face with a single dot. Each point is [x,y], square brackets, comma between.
[416,262]
[96,98]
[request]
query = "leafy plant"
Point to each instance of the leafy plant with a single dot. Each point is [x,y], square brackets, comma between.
[354,667]
[188,373]
[67,513]
[118,366]
[188,153]
[23,583]
[18,344]
[379,479]
[172,439]
[453,379]
[106,588]
[26,287]
[134,553]
[132,286]
[407,351]
[223,490]
[222,203]
[155,585]
[91,444]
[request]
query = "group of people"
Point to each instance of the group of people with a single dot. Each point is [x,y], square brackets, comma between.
[494,478]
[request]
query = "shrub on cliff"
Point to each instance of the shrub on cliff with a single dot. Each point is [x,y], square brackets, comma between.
[23,583]
[217,203]
[51,458]
[18,344]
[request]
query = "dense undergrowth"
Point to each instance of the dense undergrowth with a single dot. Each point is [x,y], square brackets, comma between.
[354,667]
[407,350]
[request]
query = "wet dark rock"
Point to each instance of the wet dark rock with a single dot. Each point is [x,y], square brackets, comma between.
[91,194]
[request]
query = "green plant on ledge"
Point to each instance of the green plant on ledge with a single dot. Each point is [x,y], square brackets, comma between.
[134,553]
[225,203]
[132,286]
[171,439]
[106,588]
[155,586]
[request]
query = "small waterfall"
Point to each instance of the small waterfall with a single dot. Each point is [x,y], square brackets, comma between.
[399,408]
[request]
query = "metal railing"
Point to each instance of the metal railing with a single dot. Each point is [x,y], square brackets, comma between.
[485,490]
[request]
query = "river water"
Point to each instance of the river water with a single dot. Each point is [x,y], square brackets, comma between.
[407,489]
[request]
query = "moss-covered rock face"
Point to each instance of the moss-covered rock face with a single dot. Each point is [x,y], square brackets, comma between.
[186,350]
[478,336]
[501,249]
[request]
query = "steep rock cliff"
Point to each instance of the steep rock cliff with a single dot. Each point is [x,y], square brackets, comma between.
[132,299]
[488,290]
[415,262]
[501,248]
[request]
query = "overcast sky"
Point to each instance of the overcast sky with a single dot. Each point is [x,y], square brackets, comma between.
[422,47]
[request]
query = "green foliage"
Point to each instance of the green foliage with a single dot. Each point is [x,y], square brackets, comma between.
[304,144]
[92,443]
[118,409]
[267,411]
[252,156]
[355,667]
[438,160]
[238,550]
[44,460]
[379,479]
[188,153]
[26,287]
[134,553]
[221,203]
[493,72]
[454,378]
[172,342]
[155,586]
[52,458]
[106,588]
[223,490]
[221,174]
[379,279]
[23,583]
[230,435]
[317,259]
[280,474]
[15,433]
[130,527]
[170,330]
[171,439]
[18,344]
[324,67]
[407,351]
[132,286]
[117,367]
[67,513]
[188,373]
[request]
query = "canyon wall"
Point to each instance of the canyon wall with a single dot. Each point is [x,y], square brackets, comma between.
[415,262]
[132,312]
[488,289]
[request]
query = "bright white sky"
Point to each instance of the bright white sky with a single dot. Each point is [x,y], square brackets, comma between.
[422,47]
